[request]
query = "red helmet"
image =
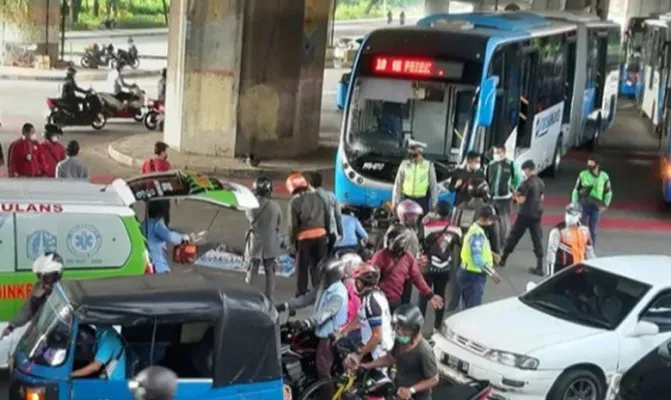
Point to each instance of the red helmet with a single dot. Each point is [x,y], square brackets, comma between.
[408,211]
[296,181]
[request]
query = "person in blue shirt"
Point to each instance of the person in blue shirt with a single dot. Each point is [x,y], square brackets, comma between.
[110,359]
[353,233]
[159,236]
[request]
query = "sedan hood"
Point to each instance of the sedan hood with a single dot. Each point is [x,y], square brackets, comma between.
[510,325]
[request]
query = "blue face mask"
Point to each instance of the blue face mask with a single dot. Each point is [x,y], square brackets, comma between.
[403,339]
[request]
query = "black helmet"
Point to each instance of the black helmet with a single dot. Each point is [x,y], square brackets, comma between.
[478,188]
[71,72]
[154,383]
[443,209]
[408,316]
[398,239]
[331,271]
[263,186]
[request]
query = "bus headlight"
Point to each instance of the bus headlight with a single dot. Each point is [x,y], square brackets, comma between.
[512,359]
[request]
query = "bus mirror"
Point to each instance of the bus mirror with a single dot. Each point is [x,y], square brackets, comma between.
[488,96]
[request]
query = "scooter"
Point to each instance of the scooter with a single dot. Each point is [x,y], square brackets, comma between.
[62,114]
[155,115]
[136,107]
[96,56]
[130,57]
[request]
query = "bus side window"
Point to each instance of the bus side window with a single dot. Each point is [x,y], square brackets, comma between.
[546,75]
[506,67]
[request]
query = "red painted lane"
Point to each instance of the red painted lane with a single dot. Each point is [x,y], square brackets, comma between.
[614,223]
[622,205]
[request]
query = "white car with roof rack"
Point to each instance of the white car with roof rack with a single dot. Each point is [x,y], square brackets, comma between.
[566,337]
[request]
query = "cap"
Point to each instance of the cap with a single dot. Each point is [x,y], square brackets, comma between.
[487,212]
[528,164]
[416,144]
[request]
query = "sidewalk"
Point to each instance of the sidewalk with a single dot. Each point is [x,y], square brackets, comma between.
[55,75]
[134,150]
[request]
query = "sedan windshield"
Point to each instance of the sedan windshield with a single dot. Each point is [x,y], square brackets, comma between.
[587,296]
[47,339]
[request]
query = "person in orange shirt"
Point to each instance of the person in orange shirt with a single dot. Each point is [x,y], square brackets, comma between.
[51,150]
[158,163]
[24,158]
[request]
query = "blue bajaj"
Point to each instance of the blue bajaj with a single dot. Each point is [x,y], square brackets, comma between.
[91,336]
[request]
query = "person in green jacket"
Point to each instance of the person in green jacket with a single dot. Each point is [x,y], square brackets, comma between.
[503,177]
[594,193]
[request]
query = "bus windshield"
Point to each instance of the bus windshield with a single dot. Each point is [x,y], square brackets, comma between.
[385,112]
[47,339]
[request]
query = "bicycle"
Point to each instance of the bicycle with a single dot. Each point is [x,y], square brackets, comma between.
[360,384]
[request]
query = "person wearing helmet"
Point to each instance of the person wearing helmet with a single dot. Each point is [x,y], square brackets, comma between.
[69,90]
[329,313]
[416,366]
[154,383]
[308,226]
[353,233]
[409,214]
[51,150]
[477,259]
[464,214]
[332,208]
[162,84]
[416,179]
[398,265]
[48,268]
[569,243]
[263,236]
[351,262]
[373,317]
[121,90]
[461,177]
[440,257]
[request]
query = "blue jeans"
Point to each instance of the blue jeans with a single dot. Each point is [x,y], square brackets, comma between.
[590,218]
[472,287]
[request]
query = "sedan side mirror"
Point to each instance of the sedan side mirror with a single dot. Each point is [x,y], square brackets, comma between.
[531,286]
[645,328]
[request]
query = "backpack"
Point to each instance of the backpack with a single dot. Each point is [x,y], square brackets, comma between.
[438,248]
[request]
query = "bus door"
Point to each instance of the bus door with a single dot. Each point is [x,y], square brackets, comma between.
[529,63]
[601,37]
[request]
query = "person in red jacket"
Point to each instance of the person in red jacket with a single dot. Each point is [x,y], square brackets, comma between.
[24,158]
[51,150]
[398,265]
[158,163]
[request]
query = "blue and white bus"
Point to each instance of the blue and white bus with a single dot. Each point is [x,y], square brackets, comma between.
[594,75]
[655,68]
[630,82]
[456,82]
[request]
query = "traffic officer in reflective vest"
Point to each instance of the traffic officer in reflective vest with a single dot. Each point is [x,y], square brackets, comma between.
[477,259]
[416,179]
[569,242]
[593,191]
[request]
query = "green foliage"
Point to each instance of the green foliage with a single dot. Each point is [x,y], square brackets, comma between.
[18,14]
[356,11]
[128,14]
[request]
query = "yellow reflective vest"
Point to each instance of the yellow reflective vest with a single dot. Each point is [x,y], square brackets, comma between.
[480,246]
[416,179]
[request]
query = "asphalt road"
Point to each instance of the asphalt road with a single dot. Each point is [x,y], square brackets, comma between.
[158,45]
[633,225]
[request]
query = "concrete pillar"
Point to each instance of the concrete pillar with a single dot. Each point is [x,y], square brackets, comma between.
[436,6]
[245,76]
[37,24]
[543,5]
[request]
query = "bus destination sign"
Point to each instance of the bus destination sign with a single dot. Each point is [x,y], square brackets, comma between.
[416,67]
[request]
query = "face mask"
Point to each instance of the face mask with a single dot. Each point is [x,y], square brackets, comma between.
[571,219]
[403,339]
[498,157]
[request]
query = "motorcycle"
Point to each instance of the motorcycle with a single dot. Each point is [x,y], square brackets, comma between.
[107,23]
[95,56]
[130,57]
[136,107]
[62,114]
[155,116]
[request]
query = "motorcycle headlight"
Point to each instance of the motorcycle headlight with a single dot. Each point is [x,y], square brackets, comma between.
[614,387]
[512,359]
[447,332]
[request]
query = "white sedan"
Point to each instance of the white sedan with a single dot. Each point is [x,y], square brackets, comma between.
[565,338]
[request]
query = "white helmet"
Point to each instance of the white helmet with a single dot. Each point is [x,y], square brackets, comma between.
[48,263]
[350,261]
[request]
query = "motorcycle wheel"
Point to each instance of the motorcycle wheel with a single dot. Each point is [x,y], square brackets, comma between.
[135,64]
[139,116]
[150,121]
[113,63]
[99,121]
[85,62]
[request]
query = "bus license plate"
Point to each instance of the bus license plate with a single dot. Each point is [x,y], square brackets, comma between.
[455,363]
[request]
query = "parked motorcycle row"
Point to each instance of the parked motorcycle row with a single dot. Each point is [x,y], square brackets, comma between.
[97,56]
[96,108]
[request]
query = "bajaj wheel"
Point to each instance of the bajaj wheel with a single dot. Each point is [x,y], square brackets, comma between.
[99,121]
[135,64]
[150,121]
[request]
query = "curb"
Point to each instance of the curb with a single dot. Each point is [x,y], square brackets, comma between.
[112,33]
[233,173]
[83,77]
[141,57]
